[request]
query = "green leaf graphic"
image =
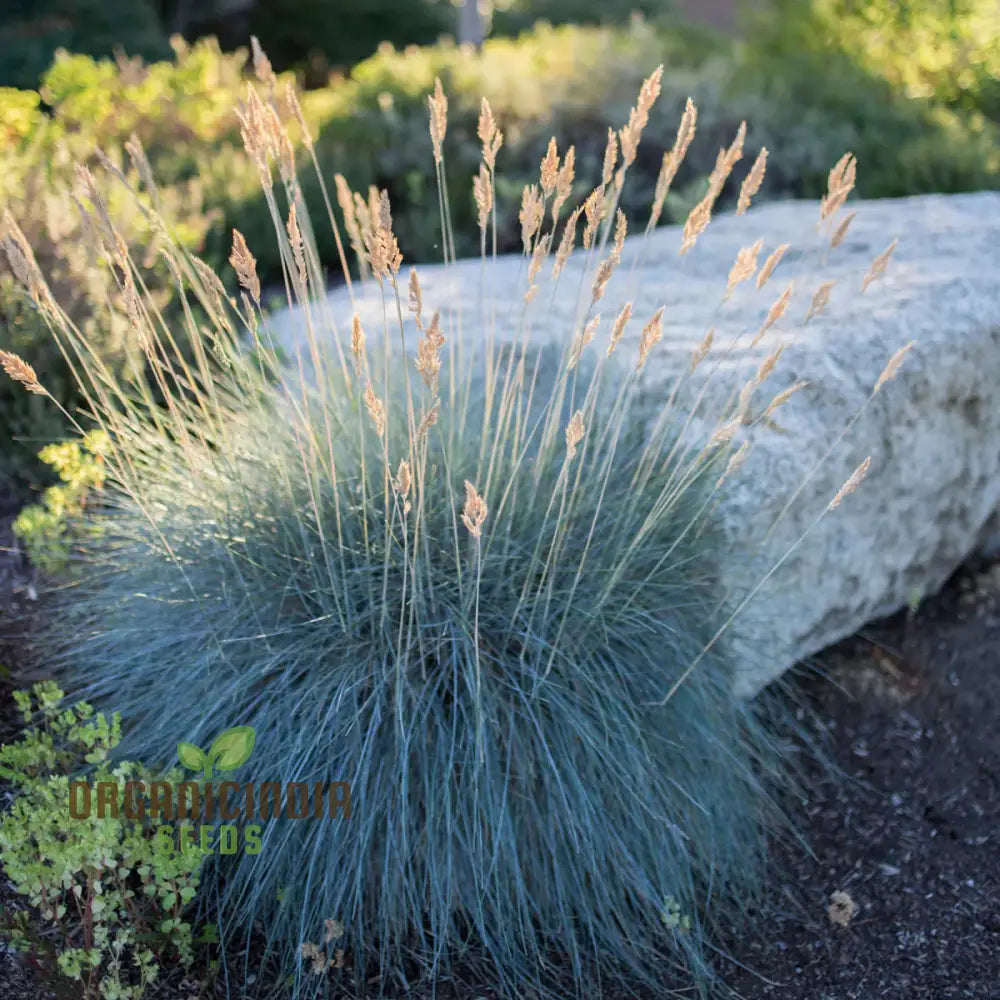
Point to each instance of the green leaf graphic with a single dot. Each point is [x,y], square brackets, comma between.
[192,757]
[232,748]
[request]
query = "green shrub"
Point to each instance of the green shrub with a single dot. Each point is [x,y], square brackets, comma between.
[945,51]
[47,529]
[478,583]
[112,900]
[909,87]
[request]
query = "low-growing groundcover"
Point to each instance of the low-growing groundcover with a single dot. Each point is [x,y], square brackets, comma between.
[472,579]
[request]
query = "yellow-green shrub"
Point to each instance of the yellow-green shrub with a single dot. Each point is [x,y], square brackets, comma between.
[49,529]
[111,897]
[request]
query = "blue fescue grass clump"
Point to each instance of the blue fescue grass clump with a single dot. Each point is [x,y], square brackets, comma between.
[474,579]
[514,782]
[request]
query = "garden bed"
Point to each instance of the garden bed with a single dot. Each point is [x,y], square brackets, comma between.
[908,829]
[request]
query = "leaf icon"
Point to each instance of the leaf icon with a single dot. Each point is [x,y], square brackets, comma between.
[232,748]
[192,757]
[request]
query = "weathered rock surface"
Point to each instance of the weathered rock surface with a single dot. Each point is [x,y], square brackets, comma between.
[933,433]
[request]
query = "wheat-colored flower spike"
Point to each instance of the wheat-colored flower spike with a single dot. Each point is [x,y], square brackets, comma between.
[782,397]
[415,302]
[482,192]
[639,117]
[582,341]
[668,170]
[725,433]
[701,351]
[357,343]
[841,230]
[820,299]
[376,409]
[744,266]
[879,265]
[852,483]
[767,365]
[697,221]
[686,129]
[296,243]
[892,367]
[475,511]
[752,182]
[538,256]
[20,371]
[345,198]
[592,215]
[261,64]
[735,461]
[402,482]
[574,434]
[255,135]
[531,214]
[380,242]
[566,243]
[490,136]
[775,312]
[651,334]
[618,330]
[428,421]
[608,265]
[549,169]
[333,929]
[438,118]
[724,163]
[487,126]
[673,158]
[610,158]
[429,352]
[564,182]
[604,272]
[245,265]
[839,185]
[770,264]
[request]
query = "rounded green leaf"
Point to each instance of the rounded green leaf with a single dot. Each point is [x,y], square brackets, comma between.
[192,757]
[232,748]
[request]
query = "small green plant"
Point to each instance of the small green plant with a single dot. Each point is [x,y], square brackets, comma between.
[230,750]
[111,896]
[50,528]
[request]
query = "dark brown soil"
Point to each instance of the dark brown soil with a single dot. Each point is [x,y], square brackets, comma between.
[909,829]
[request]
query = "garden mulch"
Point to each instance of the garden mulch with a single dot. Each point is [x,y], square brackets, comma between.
[907,823]
[910,830]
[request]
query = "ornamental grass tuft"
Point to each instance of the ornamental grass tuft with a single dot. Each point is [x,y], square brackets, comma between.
[474,578]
